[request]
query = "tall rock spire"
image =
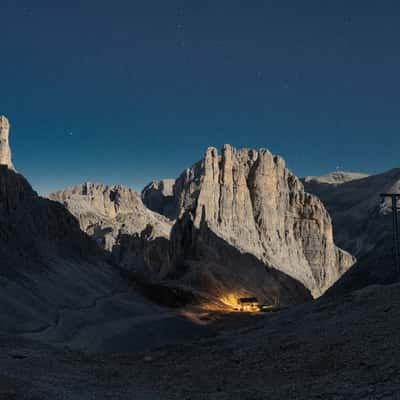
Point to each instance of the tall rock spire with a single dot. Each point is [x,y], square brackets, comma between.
[5,151]
[251,202]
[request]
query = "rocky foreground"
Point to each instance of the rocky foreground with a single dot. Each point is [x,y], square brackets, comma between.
[342,349]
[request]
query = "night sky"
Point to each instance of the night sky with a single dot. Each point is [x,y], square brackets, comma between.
[130,91]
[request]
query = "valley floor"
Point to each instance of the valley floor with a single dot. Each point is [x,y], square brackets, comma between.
[348,348]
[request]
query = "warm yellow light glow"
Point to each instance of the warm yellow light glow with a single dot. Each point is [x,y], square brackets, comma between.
[253,307]
[231,300]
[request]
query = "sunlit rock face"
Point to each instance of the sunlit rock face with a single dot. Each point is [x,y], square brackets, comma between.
[243,226]
[251,201]
[179,252]
[116,218]
[5,151]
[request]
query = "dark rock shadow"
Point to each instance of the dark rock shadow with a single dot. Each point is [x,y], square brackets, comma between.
[34,230]
[196,265]
[141,253]
[377,267]
[203,260]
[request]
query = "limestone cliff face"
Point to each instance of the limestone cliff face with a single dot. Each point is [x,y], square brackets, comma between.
[203,260]
[5,151]
[244,226]
[251,201]
[116,218]
[158,196]
[142,242]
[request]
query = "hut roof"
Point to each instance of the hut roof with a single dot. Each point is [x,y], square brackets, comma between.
[248,300]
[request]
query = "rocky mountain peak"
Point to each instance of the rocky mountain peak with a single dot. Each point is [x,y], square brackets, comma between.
[251,201]
[5,151]
[335,178]
[116,218]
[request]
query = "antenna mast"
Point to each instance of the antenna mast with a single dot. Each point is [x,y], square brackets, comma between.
[395,222]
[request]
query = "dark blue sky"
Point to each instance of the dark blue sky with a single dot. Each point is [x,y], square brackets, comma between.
[146,86]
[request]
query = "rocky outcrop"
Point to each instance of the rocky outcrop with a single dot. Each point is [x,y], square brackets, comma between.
[251,201]
[116,218]
[158,196]
[5,151]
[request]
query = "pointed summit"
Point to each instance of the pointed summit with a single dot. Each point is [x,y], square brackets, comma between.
[5,151]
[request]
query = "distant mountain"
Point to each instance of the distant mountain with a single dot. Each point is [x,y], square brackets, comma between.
[360,219]
[362,225]
[335,178]
[247,200]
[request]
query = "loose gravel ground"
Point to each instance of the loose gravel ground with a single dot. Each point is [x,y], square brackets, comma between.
[346,348]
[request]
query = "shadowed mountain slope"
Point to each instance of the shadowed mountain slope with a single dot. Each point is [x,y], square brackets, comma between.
[344,348]
[360,219]
[362,225]
[46,261]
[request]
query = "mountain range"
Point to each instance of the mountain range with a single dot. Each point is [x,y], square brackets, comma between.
[103,269]
[235,225]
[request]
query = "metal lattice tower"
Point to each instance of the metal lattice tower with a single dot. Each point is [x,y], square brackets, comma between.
[395,222]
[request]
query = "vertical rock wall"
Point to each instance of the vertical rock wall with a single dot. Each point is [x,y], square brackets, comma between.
[5,151]
[253,202]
